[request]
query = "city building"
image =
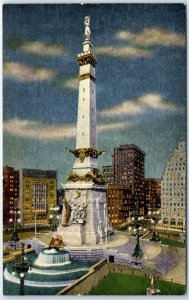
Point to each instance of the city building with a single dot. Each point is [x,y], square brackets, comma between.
[152,193]
[107,172]
[38,194]
[10,192]
[173,190]
[120,203]
[128,170]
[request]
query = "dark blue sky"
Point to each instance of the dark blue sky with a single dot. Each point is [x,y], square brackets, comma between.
[140,81]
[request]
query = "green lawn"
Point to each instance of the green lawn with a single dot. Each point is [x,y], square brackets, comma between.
[172,243]
[124,284]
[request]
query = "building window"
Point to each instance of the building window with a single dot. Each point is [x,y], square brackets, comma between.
[39,197]
[165,222]
[180,223]
[173,223]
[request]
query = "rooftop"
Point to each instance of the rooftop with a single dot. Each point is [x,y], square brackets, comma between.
[39,173]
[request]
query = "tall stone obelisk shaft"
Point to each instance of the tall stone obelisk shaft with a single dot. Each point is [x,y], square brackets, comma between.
[86,119]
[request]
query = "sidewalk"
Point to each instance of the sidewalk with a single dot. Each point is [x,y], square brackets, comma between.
[178,273]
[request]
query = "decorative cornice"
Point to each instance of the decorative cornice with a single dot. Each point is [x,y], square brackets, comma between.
[85,76]
[93,176]
[86,58]
[85,152]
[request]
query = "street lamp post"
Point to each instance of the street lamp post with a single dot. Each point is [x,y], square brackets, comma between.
[15,220]
[155,217]
[54,217]
[129,230]
[21,266]
[136,220]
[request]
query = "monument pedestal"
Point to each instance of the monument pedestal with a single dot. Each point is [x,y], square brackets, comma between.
[152,291]
[84,218]
[73,235]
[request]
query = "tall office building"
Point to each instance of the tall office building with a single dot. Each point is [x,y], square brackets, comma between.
[38,193]
[119,202]
[128,170]
[173,190]
[107,172]
[10,192]
[152,193]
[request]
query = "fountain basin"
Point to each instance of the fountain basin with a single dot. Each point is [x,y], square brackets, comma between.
[46,279]
[51,257]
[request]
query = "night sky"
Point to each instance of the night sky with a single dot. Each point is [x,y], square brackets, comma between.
[140,81]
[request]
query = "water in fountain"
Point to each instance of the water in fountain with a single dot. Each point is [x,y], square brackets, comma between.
[51,271]
[50,257]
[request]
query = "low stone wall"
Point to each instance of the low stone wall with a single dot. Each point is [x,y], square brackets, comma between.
[11,257]
[111,255]
[86,254]
[38,245]
[99,271]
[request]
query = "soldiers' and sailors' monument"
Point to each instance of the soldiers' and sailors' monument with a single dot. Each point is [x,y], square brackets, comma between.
[84,218]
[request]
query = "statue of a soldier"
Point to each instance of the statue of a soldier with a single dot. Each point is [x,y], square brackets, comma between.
[87,28]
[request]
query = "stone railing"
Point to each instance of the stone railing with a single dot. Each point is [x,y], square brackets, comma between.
[86,254]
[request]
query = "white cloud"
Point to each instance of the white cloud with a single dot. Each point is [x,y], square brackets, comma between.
[126,51]
[42,49]
[139,105]
[125,35]
[153,37]
[112,126]
[125,108]
[37,130]
[156,101]
[25,73]
[41,131]
[137,43]
[72,83]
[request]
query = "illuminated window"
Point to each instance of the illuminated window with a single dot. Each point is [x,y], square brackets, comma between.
[39,197]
